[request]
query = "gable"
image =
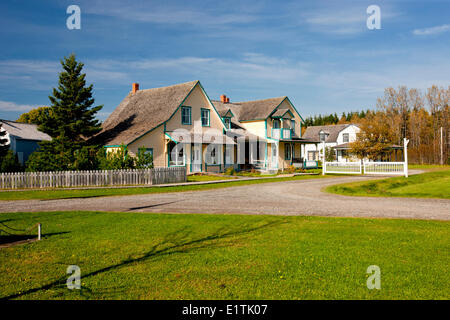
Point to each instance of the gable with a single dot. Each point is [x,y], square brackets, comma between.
[196,101]
[142,112]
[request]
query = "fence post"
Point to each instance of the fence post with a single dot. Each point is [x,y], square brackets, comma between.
[39,231]
[405,155]
[324,161]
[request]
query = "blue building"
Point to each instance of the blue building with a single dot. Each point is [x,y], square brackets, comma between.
[23,138]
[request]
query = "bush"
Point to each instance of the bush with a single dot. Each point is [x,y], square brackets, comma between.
[230,171]
[290,169]
[10,163]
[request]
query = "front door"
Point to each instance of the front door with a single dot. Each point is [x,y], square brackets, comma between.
[196,155]
[274,156]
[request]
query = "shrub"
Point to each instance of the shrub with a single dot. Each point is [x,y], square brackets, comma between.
[230,171]
[290,169]
[10,163]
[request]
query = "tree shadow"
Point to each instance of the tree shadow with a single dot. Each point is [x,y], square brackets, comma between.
[172,243]
[109,134]
[10,240]
[153,205]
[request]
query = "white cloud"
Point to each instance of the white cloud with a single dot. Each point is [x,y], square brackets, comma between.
[12,106]
[432,30]
[167,14]
[343,20]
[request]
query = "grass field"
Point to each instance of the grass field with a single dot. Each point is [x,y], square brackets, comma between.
[433,184]
[163,256]
[103,192]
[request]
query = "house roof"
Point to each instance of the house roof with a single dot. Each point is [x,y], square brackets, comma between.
[143,111]
[258,109]
[332,131]
[250,110]
[280,113]
[26,131]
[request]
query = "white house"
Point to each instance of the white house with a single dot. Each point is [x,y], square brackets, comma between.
[338,137]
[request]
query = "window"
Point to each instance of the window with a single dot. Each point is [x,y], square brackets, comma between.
[313,155]
[205,117]
[345,137]
[292,127]
[287,152]
[186,115]
[150,152]
[276,124]
[227,122]
[176,157]
[322,136]
[212,156]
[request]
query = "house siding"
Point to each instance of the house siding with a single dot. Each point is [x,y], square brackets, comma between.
[155,140]
[196,100]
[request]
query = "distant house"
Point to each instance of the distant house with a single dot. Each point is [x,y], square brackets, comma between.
[23,138]
[338,137]
[151,118]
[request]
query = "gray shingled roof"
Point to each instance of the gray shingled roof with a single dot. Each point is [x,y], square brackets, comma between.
[250,110]
[142,111]
[26,131]
[312,132]
[281,113]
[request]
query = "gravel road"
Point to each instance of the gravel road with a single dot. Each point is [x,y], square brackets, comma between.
[302,197]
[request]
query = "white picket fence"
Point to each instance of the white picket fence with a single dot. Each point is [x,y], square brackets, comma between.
[342,167]
[382,168]
[61,179]
[395,168]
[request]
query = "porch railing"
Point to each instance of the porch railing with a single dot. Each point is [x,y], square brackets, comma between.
[281,133]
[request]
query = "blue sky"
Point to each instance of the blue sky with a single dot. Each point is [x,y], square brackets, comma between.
[319,53]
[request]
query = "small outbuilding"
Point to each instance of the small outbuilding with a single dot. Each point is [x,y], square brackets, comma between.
[23,138]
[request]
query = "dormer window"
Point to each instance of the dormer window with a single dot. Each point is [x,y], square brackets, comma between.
[276,124]
[322,136]
[227,121]
[345,137]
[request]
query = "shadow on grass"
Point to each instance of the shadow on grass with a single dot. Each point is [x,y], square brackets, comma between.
[173,243]
[153,205]
[10,238]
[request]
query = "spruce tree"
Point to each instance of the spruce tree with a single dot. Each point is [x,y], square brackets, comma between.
[70,121]
[72,110]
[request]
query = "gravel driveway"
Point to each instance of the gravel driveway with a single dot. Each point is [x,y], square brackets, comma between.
[302,197]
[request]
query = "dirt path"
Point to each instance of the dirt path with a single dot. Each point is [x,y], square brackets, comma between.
[303,197]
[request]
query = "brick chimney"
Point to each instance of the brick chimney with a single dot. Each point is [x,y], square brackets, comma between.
[223,98]
[135,87]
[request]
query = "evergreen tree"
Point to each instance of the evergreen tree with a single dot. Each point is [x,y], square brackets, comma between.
[3,143]
[70,120]
[72,113]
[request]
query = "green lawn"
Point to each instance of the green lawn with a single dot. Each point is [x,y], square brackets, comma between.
[433,184]
[103,192]
[163,256]
[428,167]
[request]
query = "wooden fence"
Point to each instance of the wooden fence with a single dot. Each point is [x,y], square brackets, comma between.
[92,178]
